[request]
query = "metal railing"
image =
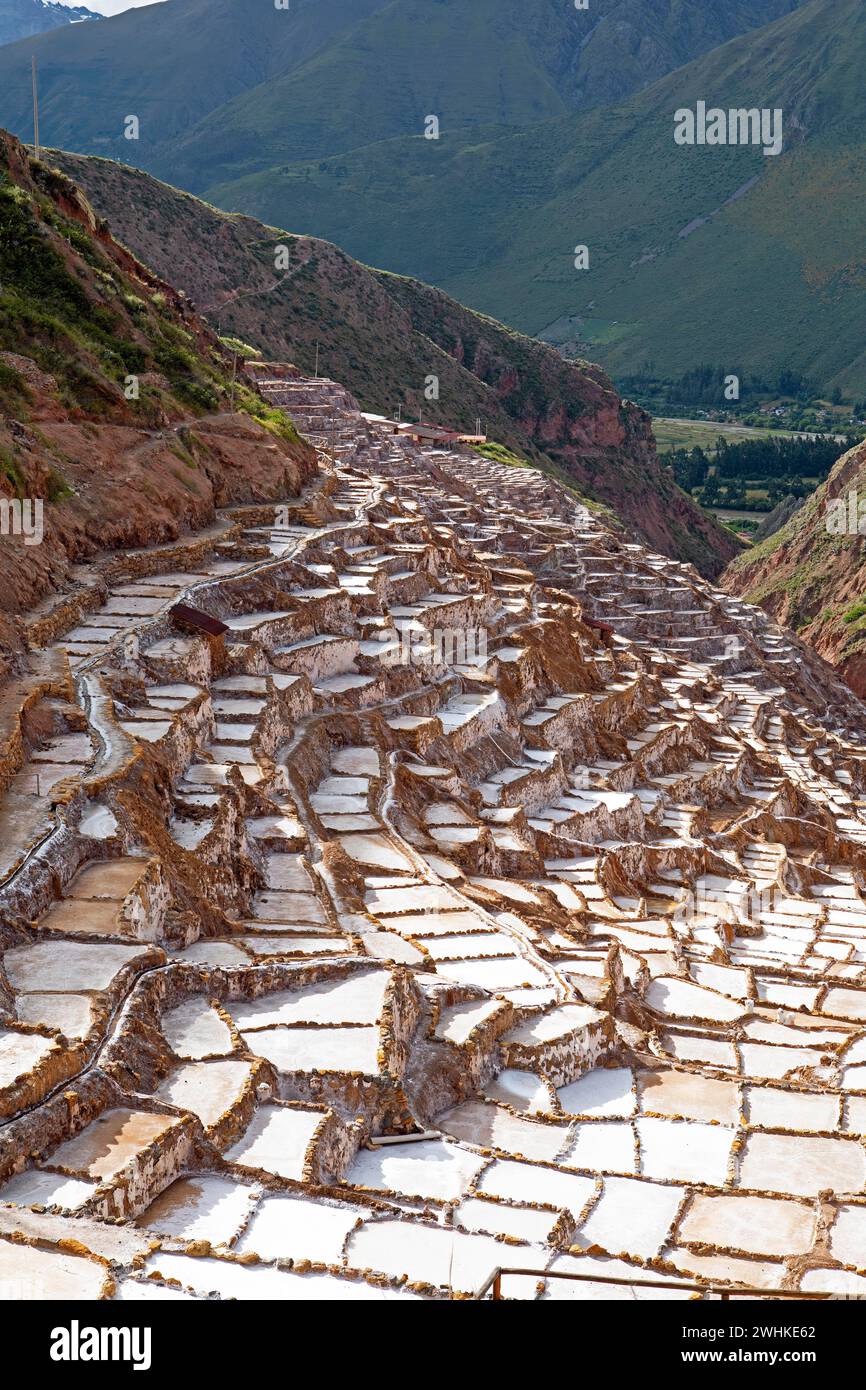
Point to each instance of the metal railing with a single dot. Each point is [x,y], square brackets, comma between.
[493,1285]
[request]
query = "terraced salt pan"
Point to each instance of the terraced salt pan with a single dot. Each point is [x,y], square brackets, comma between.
[98,918]
[136,1290]
[794,1030]
[803,1165]
[358,998]
[630,1291]
[422,897]
[274,827]
[343,786]
[189,833]
[489,1126]
[216,953]
[151,730]
[338,805]
[449,1259]
[318,1049]
[457,1023]
[845,1003]
[604,1093]
[31,1274]
[110,1142]
[632,1218]
[684,1152]
[291,945]
[477,945]
[757,1225]
[180,691]
[715,1051]
[118,1244]
[69,748]
[758,1274]
[679,1093]
[602,1146]
[194,1030]
[112,879]
[276,906]
[66,966]
[276,1140]
[441,924]
[287,873]
[349,821]
[494,975]
[789,996]
[507,889]
[298,1228]
[532,1183]
[558,1024]
[208,1089]
[521,1089]
[848,1235]
[35,1187]
[206,1207]
[356,762]
[249,621]
[799,1110]
[431,1169]
[21,1053]
[836,1281]
[671,995]
[764,1061]
[98,823]
[495,1218]
[377,851]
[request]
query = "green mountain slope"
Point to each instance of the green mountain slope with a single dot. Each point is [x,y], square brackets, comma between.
[223,87]
[167,64]
[696,254]
[385,337]
[469,62]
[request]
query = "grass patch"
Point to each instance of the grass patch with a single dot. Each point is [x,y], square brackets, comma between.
[500,454]
[10,469]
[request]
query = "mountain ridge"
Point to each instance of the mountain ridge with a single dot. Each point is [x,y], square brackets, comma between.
[346,71]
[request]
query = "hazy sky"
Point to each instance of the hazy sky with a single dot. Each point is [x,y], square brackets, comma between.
[108,6]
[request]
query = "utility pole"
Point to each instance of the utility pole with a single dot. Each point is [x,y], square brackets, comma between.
[35,108]
[316,373]
[234,378]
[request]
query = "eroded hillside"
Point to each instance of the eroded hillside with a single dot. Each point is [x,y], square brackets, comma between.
[811,575]
[118,412]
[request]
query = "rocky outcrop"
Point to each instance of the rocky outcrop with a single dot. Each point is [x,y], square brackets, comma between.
[778,517]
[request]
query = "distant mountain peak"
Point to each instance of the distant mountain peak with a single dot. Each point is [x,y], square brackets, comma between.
[20,19]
